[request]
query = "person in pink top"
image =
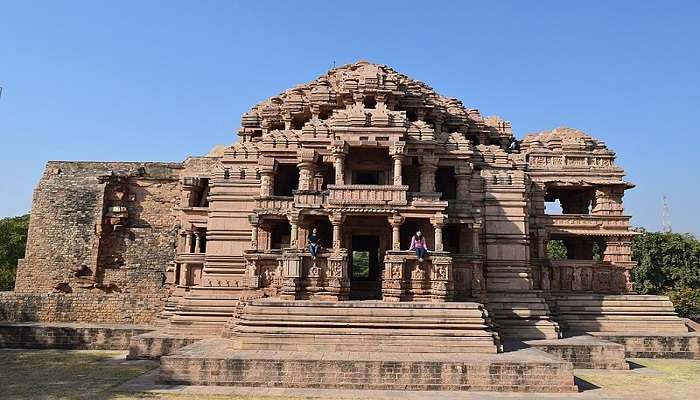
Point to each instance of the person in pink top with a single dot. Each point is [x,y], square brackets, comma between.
[418,244]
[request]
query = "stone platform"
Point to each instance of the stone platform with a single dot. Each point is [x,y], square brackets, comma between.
[67,335]
[270,324]
[153,345]
[583,313]
[655,345]
[217,362]
[585,352]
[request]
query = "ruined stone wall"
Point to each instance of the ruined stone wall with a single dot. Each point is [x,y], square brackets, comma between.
[113,308]
[66,207]
[100,238]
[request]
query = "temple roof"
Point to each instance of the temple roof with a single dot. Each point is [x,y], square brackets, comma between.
[365,85]
[561,139]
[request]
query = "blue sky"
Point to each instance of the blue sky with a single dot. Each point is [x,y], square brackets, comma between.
[161,80]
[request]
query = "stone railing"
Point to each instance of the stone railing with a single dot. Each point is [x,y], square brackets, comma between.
[309,198]
[591,222]
[581,276]
[407,279]
[263,271]
[427,198]
[325,278]
[274,202]
[565,161]
[367,195]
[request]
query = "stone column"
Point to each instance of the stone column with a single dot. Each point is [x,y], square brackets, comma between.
[438,221]
[184,272]
[339,151]
[427,174]
[188,242]
[476,243]
[267,179]
[397,152]
[254,225]
[337,220]
[293,218]
[463,176]
[266,168]
[198,242]
[395,221]
[397,169]
[306,165]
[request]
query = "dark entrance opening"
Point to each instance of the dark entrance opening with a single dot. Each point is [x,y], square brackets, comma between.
[365,268]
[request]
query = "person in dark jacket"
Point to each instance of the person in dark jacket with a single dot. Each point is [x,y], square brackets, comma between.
[314,243]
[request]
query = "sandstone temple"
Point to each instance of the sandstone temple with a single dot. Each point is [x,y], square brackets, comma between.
[210,256]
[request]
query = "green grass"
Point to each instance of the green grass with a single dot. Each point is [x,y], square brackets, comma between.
[55,374]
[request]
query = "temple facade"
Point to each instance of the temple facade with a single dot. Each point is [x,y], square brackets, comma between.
[366,156]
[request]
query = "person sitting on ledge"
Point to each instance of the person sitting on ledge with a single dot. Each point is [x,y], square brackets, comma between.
[314,245]
[418,244]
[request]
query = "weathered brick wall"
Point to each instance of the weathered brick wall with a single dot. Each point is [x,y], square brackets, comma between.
[113,308]
[39,335]
[122,256]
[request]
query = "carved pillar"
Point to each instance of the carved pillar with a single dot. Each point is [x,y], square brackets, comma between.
[438,221]
[476,243]
[291,275]
[441,279]
[306,165]
[397,168]
[198,242]
[267,181]
[188,242]
[338,281]
[337,220]
[293,218]
[463,177]
[395,221]
[339,151]
[254,226]
[393,278]
[184,272]
[427,174]
[396,152]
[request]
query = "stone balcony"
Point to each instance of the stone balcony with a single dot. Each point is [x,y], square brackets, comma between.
[406,279]
[274,202]
[367,195]
[587,224]
[309,198]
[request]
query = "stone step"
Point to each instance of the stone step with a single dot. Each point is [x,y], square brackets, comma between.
[216,362]
[348,326]
[329,330]
[476,325]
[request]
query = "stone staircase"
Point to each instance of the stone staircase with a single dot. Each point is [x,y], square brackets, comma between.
[522,316]
[204,312]
[268,324]
[617,313]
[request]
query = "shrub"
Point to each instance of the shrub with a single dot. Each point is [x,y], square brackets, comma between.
[686,300]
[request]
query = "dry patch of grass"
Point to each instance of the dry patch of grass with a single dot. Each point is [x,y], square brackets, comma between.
[56,374]
[662,379]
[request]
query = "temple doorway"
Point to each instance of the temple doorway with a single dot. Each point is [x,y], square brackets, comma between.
[365,268]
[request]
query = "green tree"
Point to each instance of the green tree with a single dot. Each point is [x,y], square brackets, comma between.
[556,250]
[13,240]
[665,261]
[669,263]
